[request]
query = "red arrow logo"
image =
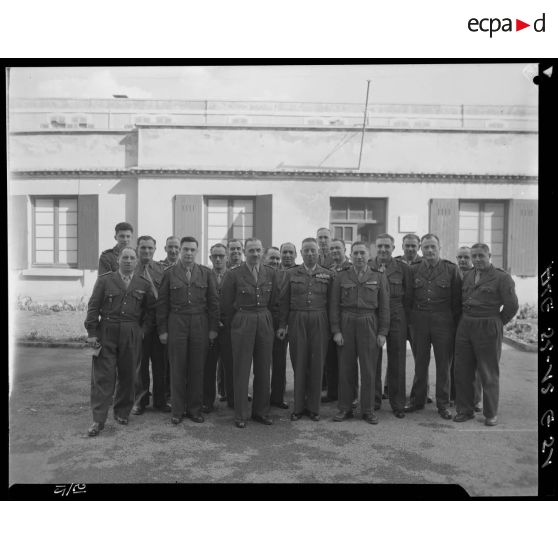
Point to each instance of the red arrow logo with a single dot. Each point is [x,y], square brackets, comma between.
[519,25]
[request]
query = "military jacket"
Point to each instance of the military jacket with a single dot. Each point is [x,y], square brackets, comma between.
[112,302]
[437,289]
[304,291]
[180,296]
[325,259]
[493,295]
[400,282]
[342,266]
[108,260]
[416,261]
[166,263]
[370,294]
[240,290]
[219,287]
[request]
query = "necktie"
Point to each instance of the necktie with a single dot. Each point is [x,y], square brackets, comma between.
[477,276]
[127,280]
[188,275]
[219,277]
[360,275]
[255,273]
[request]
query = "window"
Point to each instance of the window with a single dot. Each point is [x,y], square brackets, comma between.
[229,218]
[55,232]
[484,222]
[357,218]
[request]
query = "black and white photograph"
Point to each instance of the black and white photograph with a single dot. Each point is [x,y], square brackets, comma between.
[301,274]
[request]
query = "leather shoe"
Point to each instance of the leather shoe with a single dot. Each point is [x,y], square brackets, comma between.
[492,421]
[176,420]
[314,416]
[478,409]
[137,410]
[95,428]
[166,408]
[462,417]
[429,400]
[263,420]
[385,395]
[207,408]
[444,413]
[121,420]
[399,414]
[377,407]
[296,416]
[222,398]
[413,408]
[327,399]
[355,404]
[342,415]
[370,418]
[195,418]
[281,405]
[249,399]
[240,423]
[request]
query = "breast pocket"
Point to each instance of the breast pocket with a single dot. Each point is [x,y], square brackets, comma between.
[110,300]
[137,297]
[199,291]
[396,286]
[370,293]
[320,285]
[298,286]
[265,292]
[246,294]
[348,293]
[419,283]
[177,292]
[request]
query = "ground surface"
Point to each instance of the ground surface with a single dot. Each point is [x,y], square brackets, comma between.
[49,416]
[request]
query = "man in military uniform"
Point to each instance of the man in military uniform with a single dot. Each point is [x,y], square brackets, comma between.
[436,311]
[340,263]
[287,254]
[108,260]
[325,259]
[248,297]
[151,348]
[115,314]
[489,303]
[187,319]
[359,318]
[172,249]
[272,257]
[400,287]
[234,249]
[464,264]
[220,351]
[304,307]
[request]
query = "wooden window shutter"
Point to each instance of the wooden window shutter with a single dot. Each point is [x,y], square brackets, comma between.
[88,231]
[188,218]
[19,233]
[444,223]
[523,237]
[263,219]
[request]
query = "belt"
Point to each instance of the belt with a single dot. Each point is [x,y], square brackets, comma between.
[481,316]
[359,313]
[254,309]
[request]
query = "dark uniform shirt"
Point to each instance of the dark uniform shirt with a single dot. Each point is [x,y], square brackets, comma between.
[437,288]
[493,295]
[402,259]
[241,292]
[166,263]
[346,264]
[108,260]
[325,259]
[400,282]
[367,295]
[180,296]
[304,291]
[112,301]
[153,272]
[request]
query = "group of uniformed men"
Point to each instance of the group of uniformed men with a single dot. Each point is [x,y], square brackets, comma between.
[204,330]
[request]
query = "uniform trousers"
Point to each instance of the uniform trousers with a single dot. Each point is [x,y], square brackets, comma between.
[478,347]
[396,342]
[279,370]
[188,342]
[113,371]
[478,385]
[219,354]
[151,350]
[434,329]
[251,338]
[309,335]
[359,342]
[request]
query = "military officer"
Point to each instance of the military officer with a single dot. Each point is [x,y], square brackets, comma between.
[400,287]
[324,257]
[115,313]
[220,351]
[272,257]
[287,253]
[465,263]
[187,319]
[248,297]
[436,311]
[410,246]
[304,307]
[359,318]
[151,348]
[108,260]
[489,303]
[172,249]
[234,248]
[340,263]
